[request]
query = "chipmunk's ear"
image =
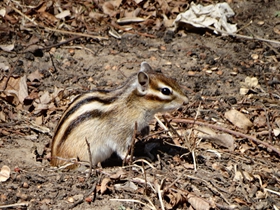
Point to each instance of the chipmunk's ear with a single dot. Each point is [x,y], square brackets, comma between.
[145,67]
[143,82]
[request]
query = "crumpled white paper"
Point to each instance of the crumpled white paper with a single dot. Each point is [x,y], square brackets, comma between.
[203,16]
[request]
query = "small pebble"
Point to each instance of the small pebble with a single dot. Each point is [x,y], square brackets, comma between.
[254,56]
[191,73]
[70,200]
[25,185]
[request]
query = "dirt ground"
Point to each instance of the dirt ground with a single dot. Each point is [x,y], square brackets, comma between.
[212,71]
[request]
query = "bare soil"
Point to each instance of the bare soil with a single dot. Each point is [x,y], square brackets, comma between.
[211,70]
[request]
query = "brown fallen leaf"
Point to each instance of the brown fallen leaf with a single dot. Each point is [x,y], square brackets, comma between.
[119,174]
[238,119]
[197,202]
[36,75]
[49,17]
[110,7]
[260,120]
[5,173]
[104,185]
[15,87]
[224,139]
[7,48]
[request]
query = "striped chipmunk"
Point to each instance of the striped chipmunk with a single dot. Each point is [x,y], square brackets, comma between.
[106,118]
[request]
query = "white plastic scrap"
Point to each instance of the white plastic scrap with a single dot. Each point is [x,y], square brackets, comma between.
[203,16]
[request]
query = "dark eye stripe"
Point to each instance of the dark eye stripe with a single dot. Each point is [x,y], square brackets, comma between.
[157,98]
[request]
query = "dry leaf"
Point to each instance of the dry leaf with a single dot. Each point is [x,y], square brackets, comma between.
[276,131]
[40,107]
[138,1]
[46,97]
[276,28]
[251,83]
[248,176]
[42,8]
[241,201]
[277,121]
[127,186]
[224,140]
[4,67]
[261,195]
[109,7]
[244,147]
[7,48]
[57,93]
[133,13]
[5,173]
[3,12]
[49,16]
[119,174]
[96,16]
[104,185]
[238,119]
[63,14]
[35,76]
[2,116]
[260,121]
[198,203]
[237,176]
[164,6]
[17,88]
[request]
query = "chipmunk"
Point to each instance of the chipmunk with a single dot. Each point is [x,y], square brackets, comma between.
[106,118]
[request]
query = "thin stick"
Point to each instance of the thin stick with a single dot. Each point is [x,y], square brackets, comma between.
[90,158]
[268,124]
[145,161]
[241,36]
[210,186]
[163,126]
[131,149]
[159,191]
[135,201]
[176,180]
[133,142]
[145,178]
[272,191]
[173,130]
[113,24]
[194,160]
[14,205]
[236,133]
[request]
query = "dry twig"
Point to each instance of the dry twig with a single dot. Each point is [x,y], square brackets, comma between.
[131,149]
[22,204]
[90,158]
[236,133]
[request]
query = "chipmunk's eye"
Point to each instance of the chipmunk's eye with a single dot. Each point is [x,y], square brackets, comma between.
[166,91]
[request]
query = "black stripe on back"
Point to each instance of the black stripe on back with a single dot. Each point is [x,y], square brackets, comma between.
[81,103]
[79,120]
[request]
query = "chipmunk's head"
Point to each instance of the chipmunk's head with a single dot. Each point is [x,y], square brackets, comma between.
[161,93]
